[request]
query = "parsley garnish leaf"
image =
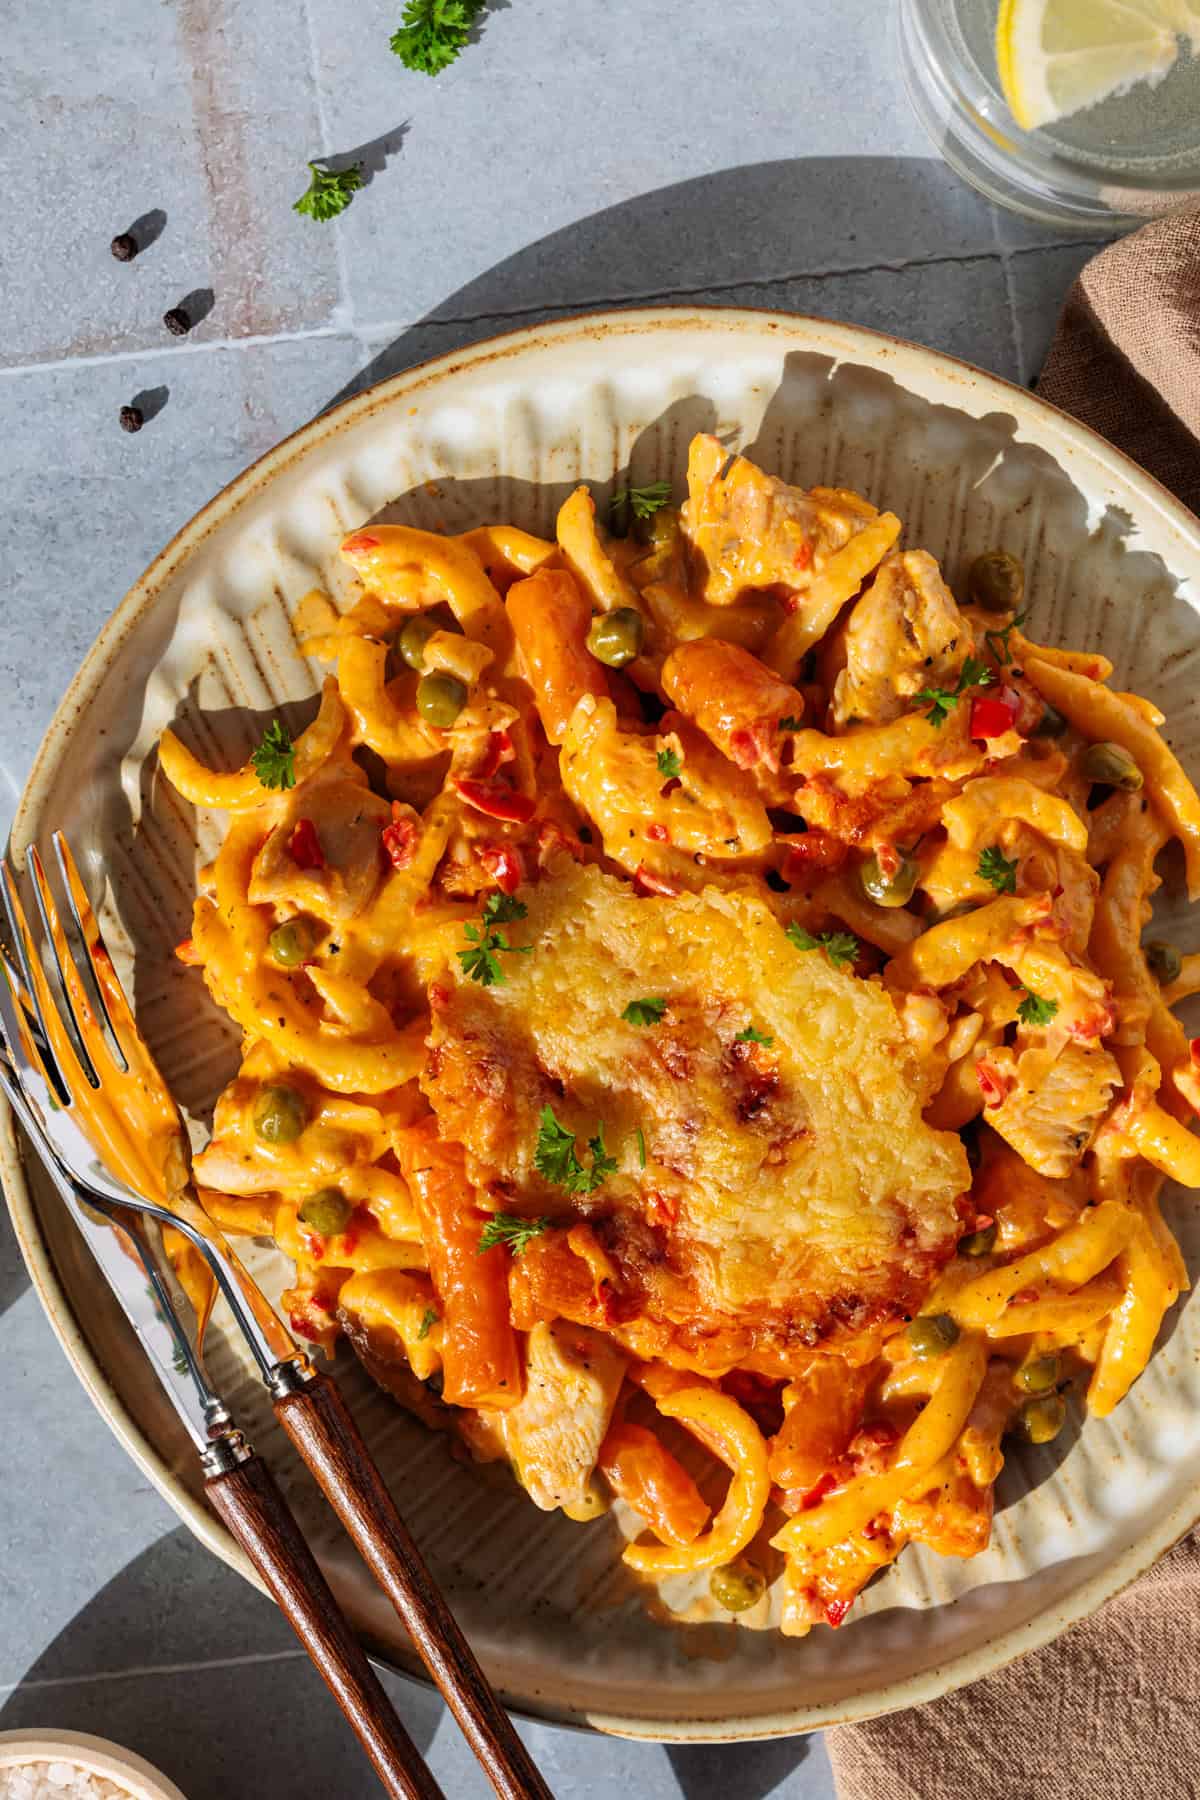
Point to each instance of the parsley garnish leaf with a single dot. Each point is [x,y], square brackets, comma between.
[1034,1010]
[751,1036]
[997,641]
[637,503]
[329,192]
[975,674]
[841,947]
[644,1012]
[480,962]
[275,759]
[670,764]
[556,1158]
[999,869]
[429,1319]
[432,32]
[508,1228]
[791,723]
[641,1144]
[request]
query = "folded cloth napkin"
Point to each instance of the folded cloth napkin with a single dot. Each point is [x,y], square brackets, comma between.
[1109,1710]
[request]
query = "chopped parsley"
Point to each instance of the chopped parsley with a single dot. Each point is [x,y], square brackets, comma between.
[975,674]
[481,961]
[999,869]
[841,947]
[557,1160]
[641,1144]
[644,1012]
[275,759]
[432,32]
[791,723]
[751,1036]
[637,503]
[670,764]
[428,1320]
[997,641]
[329,192]
[1033,1010]
[508,1228]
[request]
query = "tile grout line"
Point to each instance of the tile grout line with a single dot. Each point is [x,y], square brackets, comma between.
[344,311]
[141,1671]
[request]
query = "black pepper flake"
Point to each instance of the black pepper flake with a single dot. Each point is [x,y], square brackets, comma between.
[124,246]
[177,322]
[131,418]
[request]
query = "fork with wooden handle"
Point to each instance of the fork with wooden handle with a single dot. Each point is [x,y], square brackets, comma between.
[94,1069]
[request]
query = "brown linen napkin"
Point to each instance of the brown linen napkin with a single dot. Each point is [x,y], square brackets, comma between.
[1126,357]
[1111,1710]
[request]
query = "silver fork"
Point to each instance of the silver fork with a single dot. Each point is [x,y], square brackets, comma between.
[71,1041]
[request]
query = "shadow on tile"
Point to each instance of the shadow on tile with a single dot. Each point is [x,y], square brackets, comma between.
[842,226]
[14,1276]
[202,1676]
[751,1771]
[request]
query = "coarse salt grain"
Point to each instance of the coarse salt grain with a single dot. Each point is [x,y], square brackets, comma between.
[57,1781]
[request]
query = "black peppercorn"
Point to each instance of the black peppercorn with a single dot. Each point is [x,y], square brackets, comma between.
[124,247]
[131,418]
[177,322]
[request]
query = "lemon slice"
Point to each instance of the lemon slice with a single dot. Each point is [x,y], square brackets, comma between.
[1057,56]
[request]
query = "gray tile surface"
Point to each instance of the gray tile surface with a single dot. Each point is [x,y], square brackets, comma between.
[575,157]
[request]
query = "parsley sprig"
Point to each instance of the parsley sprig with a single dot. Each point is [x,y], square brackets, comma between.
[1034,1010]
[670,764]
[481,961]
[791,723]
[557,1160]
[275,759]
[644,1012]
[975,674]
[751,1036]
[997,641]
[329,192]
[999,869]
[841,947]
[508,1228]
[429,1319]
[632,503]
[431,33]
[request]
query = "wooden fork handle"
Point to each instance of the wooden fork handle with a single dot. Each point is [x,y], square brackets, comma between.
[258,1516]
[319,1424]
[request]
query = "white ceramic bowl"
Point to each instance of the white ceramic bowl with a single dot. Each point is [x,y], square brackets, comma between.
[95,1755]
[501,432]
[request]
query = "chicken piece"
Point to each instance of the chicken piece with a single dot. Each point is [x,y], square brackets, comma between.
[905,633]
[1048,1115]
[753,531]
[553,1435]
[341,876]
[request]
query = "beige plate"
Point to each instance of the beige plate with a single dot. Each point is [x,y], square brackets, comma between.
[502,432]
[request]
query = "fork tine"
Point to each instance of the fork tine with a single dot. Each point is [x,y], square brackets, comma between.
[104,1004]
[52,932]
[22,1000]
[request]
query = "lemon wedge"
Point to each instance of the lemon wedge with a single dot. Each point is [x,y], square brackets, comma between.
[1057,56]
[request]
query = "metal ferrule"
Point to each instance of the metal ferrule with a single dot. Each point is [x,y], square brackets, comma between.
[225,1454]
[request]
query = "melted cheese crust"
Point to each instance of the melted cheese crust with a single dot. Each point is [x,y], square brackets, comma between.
[792,1187]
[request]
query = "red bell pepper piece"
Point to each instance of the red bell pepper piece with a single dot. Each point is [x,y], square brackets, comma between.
[399,839]
[991,717]
[304,846]
[496,800]
[505,864]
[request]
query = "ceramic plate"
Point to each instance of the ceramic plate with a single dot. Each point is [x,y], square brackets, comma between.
[503,431]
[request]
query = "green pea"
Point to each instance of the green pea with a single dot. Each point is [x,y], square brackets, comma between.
[616,637]
[738,1585]
[413,636]
[1041,1418]
[996,581]
[1166,964]
[888,890]
[661,529]
[292,942]
[327,1211]
[1051,724]
[280,1115]
[1112,766]
[440,699]
[932,1334]
[1039,1375]
[978,1243]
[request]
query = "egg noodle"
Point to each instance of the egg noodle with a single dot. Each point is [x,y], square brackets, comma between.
[692,990]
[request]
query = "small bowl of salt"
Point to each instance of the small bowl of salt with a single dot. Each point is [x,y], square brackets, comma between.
[69,1765]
